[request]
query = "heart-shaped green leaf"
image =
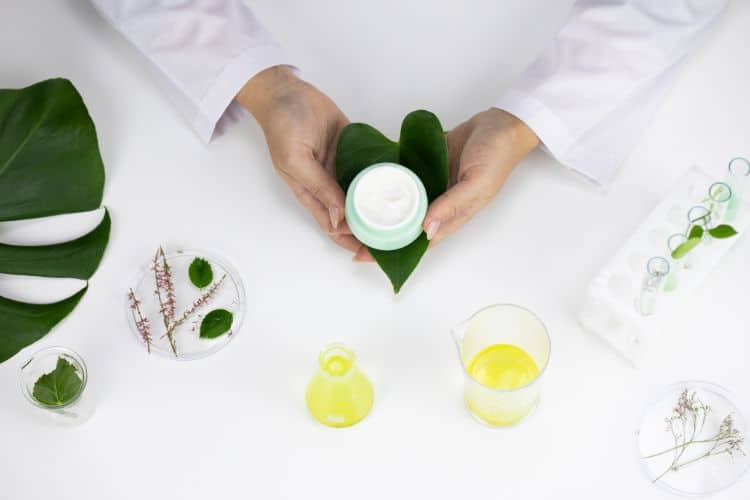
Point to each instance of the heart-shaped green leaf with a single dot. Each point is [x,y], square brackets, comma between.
[49,165]
[360,146]
[421,148]
[60,386]
[216,323]
[722,231]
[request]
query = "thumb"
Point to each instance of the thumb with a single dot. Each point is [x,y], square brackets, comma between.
[460,202]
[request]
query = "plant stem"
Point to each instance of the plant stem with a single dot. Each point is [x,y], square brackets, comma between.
[201,301]
[683,445]
[157,290]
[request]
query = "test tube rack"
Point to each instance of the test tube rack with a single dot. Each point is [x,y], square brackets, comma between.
[611,307]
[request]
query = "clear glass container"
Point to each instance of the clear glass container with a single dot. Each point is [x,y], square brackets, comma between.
[669,462]
[720,194]
[676,266]
[78,406]
[520,345]
[148,323]
[339,394]
[738,178]
[657,270]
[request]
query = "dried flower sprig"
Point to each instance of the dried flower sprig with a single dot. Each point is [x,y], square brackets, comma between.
[204,299]
[686,424]
[141,323]
[164,285]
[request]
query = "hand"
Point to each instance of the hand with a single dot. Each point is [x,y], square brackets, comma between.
[482,152]
[302,126]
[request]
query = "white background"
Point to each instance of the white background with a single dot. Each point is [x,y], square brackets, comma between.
[235,425]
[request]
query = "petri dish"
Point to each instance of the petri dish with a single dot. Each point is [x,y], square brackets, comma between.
[225,291]
[698,476]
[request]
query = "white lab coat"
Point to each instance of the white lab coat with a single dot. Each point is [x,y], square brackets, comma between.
[587,95]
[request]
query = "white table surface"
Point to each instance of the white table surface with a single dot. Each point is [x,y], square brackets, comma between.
[235,425]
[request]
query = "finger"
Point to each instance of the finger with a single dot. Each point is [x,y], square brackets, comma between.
[347,242]
[321,184]
[448,229]
[314,206]
[460,201]
[363,255]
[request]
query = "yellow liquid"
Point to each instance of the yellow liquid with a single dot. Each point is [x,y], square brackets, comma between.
[339,395]
[504,367]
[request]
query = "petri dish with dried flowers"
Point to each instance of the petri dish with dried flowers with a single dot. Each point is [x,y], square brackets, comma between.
[691,439]
[185,304]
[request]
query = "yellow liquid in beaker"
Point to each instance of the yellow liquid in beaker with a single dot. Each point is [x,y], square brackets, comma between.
[504,367]
[339,394]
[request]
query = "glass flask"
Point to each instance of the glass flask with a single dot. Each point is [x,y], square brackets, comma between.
[657,269]
[738,178]
[504,350]
[78,406]
[339,394]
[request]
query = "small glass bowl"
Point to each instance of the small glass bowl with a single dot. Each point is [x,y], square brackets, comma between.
[702,477]
[230,296]
[75,411]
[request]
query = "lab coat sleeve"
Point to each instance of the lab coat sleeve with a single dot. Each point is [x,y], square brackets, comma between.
[597,84]
[204,50]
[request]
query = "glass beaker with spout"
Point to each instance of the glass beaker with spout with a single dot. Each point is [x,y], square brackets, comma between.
[504,350]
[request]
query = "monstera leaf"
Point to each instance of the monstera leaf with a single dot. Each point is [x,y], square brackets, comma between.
[422,149]
[49,165]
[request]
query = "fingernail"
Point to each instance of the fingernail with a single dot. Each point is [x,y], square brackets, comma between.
[334,212]
[432,229]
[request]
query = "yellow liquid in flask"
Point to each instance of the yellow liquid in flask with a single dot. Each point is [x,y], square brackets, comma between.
[339,394]
[503,367]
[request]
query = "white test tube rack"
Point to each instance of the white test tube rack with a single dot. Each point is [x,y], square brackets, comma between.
[611,307]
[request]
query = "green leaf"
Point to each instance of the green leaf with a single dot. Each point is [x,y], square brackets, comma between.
[695,232]
[200,272]
[75,259]
[360,146]
[399,264]
[423,149]
[685,248]
[49,155]
[722,231]
[23,324]
[216,323]
[49,165]
[59,386]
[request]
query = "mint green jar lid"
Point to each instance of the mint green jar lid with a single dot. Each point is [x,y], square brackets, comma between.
[385,206]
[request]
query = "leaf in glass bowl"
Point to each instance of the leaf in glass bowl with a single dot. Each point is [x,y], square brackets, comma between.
[200,272]
[59,386]
[216,323]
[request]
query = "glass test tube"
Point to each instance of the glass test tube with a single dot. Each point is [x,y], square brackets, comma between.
[720,194]
[738,178]
[699,215]
[657,269]
[676,265]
